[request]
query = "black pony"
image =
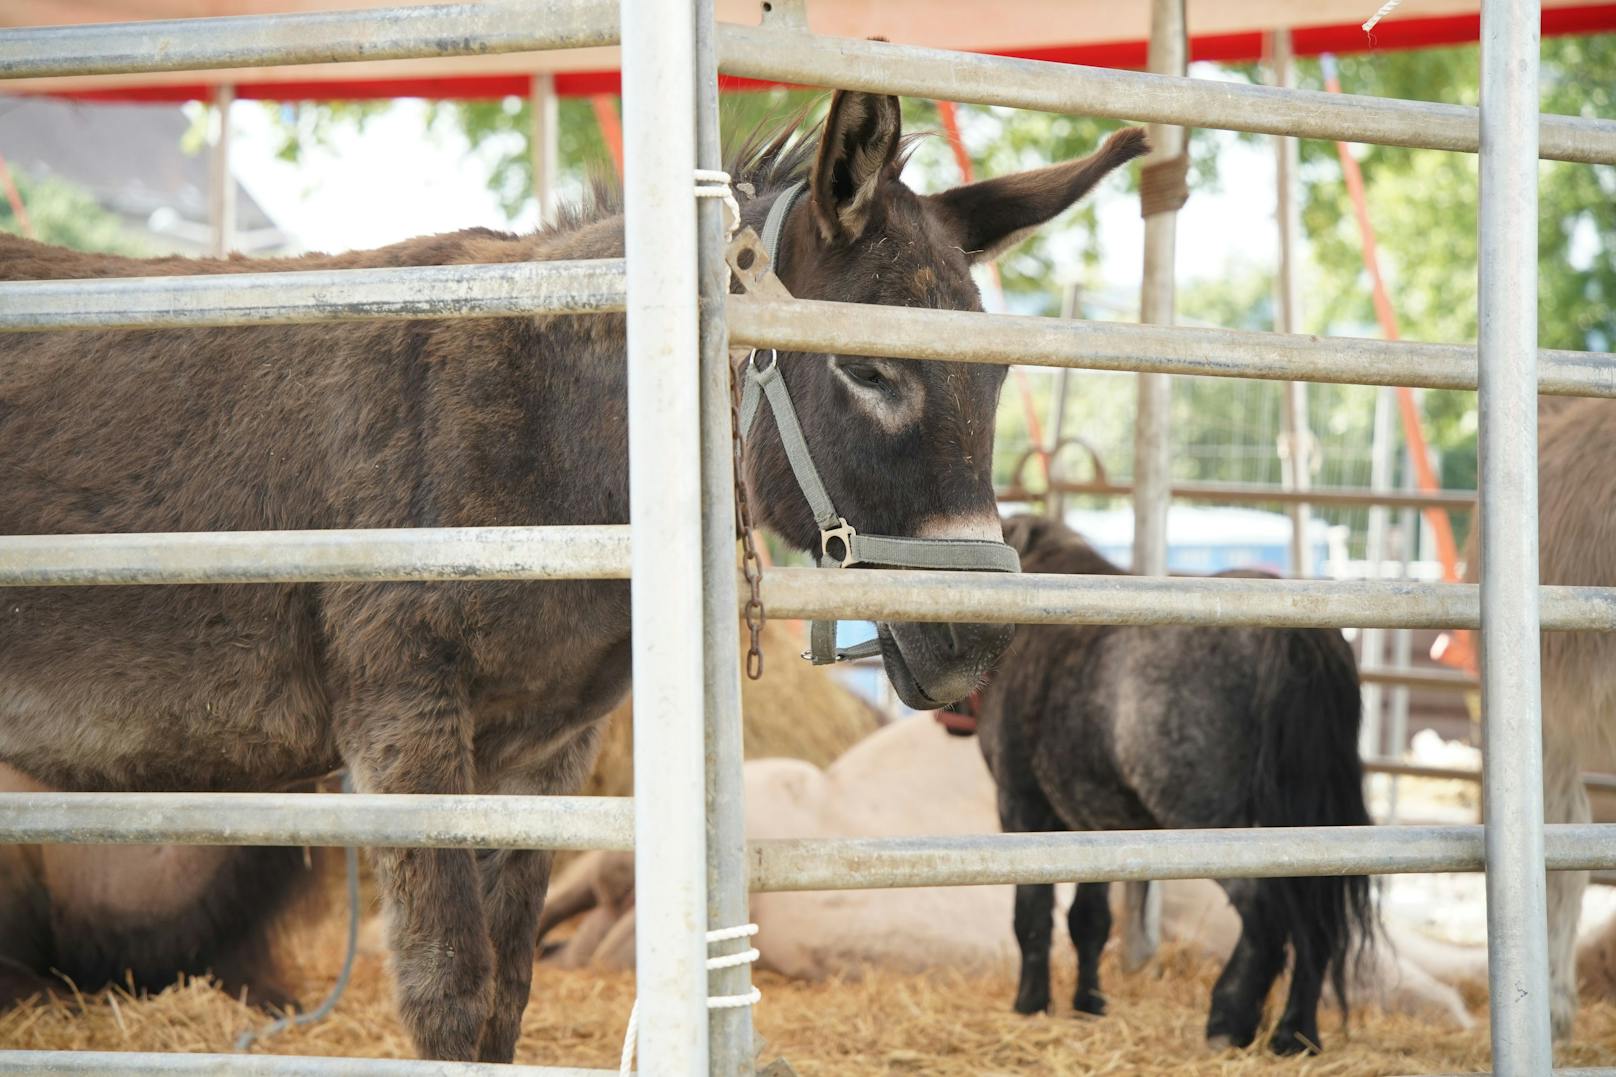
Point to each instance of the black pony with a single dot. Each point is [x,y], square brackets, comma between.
[1138,728]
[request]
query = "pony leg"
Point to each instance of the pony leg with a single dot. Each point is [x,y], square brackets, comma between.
[1298,1028]
[1089,921]
[1141,933]
[1258,957]
[1565,800]
[1022,812]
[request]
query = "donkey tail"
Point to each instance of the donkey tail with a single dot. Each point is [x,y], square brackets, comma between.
[1309,773]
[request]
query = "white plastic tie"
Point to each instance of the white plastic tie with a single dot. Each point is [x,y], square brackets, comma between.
[714,1002]
[711,183]
[1385,9]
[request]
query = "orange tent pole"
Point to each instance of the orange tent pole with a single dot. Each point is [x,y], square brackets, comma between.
[1459,651]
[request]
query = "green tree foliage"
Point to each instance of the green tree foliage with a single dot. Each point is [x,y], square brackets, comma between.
[67,216]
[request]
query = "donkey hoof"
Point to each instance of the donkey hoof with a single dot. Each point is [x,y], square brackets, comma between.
[1091,1002]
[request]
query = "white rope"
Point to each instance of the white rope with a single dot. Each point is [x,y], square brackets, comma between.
[711,183]
[1385,9]
[714,1002]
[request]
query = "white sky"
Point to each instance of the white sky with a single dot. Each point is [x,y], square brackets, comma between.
[396,179]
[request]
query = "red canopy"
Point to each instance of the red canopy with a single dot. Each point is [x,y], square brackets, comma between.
[1103,33]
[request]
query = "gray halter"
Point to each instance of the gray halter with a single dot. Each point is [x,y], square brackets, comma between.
[766,384]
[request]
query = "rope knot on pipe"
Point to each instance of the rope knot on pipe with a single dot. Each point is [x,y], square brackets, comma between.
[714,1002]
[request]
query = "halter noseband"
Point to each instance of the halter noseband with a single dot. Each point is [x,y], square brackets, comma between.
[764,383]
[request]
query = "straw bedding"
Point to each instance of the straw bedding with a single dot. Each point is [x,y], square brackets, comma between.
[944,1024]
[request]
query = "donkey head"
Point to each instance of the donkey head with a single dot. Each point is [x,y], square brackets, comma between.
[905,447]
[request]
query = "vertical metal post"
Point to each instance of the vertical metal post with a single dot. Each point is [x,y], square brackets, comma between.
[1055,501]
[1288,314]
[730,1028]
[1512,744]
[665,509]
[1402,642]
[545,146]
[1372,654]
[221,185]
[1152,461]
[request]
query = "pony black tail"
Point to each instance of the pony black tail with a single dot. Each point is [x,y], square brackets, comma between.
[1309,774]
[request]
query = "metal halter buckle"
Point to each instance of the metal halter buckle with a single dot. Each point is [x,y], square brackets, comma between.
[843,531]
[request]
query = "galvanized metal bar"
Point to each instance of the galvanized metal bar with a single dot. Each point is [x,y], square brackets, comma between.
[364,819]
[312,38]
[546,145]
[1152,439]
[665,507]
[34,1063]
[361,555]
[971,337]
[325,295]
[729,1027]
[1257,493]
[1436,679]
[1034,598]
[879,67]
[1511,685]
[221,183]
[1372,647]
[1297,460]
[1120,856]
[1596,782]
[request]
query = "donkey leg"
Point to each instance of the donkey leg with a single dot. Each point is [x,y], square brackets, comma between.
[414,739]
[1565,800]
[1089,921]
[514,881]
[1258,957]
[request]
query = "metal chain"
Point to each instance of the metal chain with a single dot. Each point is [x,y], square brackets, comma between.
[751,566]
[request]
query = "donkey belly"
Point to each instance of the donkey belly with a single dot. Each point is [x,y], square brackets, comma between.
[162,688]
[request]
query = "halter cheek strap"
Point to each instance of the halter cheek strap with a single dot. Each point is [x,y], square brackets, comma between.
[840,544]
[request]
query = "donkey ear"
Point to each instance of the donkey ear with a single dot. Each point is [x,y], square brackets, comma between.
[856,152]
[990,217]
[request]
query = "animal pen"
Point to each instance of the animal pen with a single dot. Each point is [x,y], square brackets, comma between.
[693,868]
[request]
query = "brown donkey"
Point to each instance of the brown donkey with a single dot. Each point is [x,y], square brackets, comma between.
[1577,547]
[458,687]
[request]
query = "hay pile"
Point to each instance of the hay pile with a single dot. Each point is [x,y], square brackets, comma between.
[945,1025]
[796,710]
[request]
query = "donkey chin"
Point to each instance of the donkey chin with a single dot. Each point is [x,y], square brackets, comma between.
[933,665]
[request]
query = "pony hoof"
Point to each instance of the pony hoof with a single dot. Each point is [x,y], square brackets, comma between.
[1293,1043]
[1220,1043]
[1090,1002]
[1028,1005]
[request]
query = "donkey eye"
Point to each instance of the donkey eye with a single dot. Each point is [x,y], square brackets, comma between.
[866,375]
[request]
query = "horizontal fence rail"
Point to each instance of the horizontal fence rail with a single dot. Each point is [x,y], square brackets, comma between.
[438,291]
[946,75]
[1256,493]
[1438,680]
[971,337]
[1035,598]
[1603,783]
[993,859]
[362,555]
[33,1063]
[312,38]
[332,819]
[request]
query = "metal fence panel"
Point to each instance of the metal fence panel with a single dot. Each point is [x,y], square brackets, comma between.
[446,291]
[313,38]
[357,555]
